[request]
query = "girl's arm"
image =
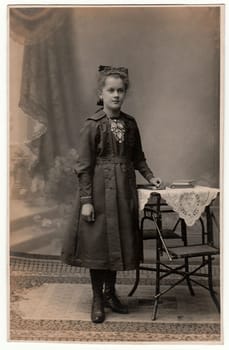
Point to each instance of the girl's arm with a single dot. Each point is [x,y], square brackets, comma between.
[140,163]
[86,161]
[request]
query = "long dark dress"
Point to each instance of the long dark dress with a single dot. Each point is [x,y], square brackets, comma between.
[106,173]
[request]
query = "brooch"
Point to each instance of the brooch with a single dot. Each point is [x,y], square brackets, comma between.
[118,130]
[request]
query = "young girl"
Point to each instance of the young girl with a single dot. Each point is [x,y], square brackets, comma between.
[104,234]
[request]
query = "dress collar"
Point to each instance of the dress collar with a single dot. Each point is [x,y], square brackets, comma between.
[99,114]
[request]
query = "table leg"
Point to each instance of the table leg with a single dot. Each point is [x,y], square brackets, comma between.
[186,260]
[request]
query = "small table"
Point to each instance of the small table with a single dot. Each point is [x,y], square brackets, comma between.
[190,204]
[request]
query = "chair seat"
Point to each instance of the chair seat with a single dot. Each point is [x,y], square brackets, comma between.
[193,250]
[167,234]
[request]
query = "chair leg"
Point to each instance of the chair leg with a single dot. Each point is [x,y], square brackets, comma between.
[137,277]
[210,284]
[155,307]
[157,289]
[186,261]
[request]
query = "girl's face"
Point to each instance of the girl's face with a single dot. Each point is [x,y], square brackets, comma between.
[113,93]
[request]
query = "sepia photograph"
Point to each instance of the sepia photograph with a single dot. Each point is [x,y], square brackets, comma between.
[115,122]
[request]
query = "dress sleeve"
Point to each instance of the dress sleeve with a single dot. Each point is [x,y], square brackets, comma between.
[86,161]
[140,163]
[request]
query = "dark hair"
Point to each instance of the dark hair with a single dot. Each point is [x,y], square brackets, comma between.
[113,72]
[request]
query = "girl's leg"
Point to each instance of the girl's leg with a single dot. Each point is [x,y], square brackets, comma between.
[110,298]
[97,309]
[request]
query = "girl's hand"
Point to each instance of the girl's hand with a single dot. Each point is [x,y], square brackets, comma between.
[156,181]
[88,212]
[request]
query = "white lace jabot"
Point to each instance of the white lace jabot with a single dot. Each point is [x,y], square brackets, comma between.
[188,203]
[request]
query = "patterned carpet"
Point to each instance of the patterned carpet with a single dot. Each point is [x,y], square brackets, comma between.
[50,301]
[83,331]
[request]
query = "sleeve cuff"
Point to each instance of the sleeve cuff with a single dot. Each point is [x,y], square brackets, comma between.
[149,177]
[86,200]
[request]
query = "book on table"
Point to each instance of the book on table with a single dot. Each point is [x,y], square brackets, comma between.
[183,184]
[173,185]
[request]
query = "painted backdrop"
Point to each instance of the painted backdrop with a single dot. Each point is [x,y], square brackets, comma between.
[173,57]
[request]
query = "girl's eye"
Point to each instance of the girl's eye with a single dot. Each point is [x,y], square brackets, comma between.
[112,90]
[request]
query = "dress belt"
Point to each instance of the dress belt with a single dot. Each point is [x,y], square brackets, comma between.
[113,160]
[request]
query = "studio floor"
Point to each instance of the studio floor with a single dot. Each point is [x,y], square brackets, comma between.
[53,304]
[50,301]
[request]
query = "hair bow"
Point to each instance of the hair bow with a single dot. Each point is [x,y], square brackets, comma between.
[113,69]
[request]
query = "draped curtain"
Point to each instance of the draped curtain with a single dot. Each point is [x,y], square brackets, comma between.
[48,80]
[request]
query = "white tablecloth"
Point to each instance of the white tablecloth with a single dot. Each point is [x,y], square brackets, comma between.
[188,203]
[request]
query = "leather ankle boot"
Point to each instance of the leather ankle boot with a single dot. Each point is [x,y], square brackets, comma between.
[110,298]
[97,308]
